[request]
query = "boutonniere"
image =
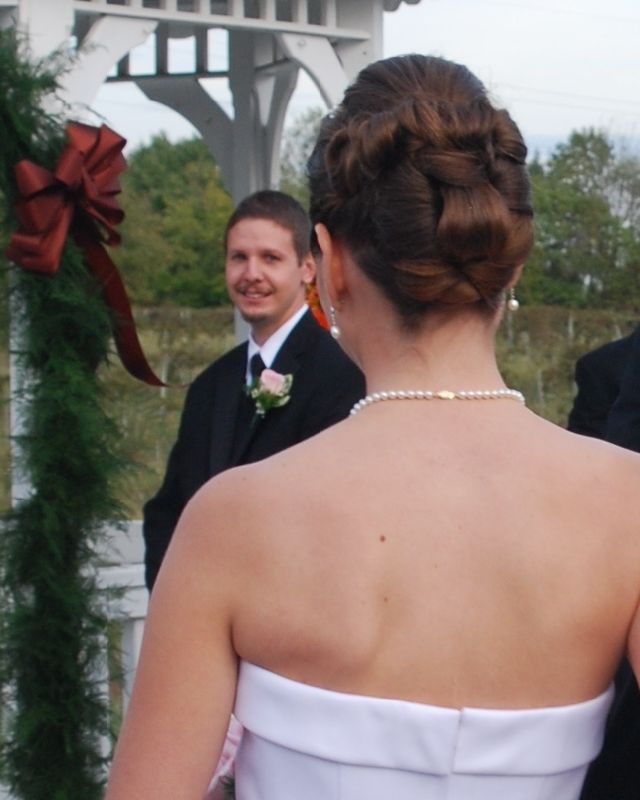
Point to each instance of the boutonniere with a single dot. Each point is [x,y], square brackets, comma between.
[270,390]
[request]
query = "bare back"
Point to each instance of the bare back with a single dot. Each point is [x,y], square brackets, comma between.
[448,554]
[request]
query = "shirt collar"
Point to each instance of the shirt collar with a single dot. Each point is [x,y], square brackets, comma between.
[269,349]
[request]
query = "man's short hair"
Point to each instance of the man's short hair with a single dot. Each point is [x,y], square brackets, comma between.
[280,208]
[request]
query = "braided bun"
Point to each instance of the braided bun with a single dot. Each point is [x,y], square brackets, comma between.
[426,183]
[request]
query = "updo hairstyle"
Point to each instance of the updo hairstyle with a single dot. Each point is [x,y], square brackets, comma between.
[426,183]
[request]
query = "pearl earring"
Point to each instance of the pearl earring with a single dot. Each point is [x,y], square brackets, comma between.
[334,330]
[512,302]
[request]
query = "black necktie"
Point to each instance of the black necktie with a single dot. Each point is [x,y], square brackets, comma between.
[246,407]
[256,365]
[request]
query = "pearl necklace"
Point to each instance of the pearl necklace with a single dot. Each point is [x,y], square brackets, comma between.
[444,394]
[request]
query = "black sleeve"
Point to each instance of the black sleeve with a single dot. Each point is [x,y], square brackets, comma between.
[615,773]
[342,386]
[623,424]
[593,400]
[187,470]
[160,516]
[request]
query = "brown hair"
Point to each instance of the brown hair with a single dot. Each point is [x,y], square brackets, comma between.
[426,183]
[277,207]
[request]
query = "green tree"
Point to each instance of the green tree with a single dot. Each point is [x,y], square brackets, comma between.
[585,162]
[176,208]
[587,205]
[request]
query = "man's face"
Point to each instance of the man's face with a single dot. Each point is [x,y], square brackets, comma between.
[265,279]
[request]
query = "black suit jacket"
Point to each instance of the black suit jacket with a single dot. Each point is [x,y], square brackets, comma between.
[623,423]
[216,430]
[598,376]
[615,774]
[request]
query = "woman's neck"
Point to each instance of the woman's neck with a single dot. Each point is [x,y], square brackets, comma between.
[453,349]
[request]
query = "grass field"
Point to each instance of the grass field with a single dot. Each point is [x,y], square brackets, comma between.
[537,350]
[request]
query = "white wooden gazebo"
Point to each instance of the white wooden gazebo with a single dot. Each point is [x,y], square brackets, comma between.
[268,42]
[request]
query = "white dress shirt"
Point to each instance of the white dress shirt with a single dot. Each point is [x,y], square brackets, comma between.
[269,349]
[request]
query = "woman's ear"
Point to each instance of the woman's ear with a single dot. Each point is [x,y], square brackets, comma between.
[323,238]
[517,274]
[331,269]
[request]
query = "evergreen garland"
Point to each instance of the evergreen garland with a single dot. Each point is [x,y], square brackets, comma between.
[53,638]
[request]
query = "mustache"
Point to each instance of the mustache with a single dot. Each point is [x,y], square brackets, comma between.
[244,285]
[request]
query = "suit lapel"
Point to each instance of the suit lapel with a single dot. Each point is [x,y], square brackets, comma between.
[246,426]
[225,411]
[286,362]
[290,354]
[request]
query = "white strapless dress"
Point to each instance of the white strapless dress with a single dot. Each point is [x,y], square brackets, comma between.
[306,743]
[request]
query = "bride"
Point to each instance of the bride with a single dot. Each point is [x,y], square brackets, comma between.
[428,600]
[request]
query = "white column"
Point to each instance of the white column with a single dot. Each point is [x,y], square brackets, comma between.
[246,148]
[48,25]
[47,28]
[273,92]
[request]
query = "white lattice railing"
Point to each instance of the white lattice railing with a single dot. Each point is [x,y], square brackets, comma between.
[123,570]
[290,16]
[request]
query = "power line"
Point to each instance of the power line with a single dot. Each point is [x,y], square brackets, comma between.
[556,9]
[573,95]
[579,107]
[574,100]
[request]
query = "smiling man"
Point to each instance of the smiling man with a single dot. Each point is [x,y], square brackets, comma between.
[268,266]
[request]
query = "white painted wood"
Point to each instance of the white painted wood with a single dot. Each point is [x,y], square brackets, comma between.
[108,40]
[354,55]
[264,56]
[131,644]
[330,14]
[48,26]
[186,96]
[122,577]
[19,382]
[273,109]
[317,56]
[234,19]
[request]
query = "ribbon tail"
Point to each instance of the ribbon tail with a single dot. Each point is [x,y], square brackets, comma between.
[115,294]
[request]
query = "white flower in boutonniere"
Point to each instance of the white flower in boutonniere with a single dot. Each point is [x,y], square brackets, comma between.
[270,390]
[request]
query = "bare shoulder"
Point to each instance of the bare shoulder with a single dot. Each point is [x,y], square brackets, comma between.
[599,454]
[620,468]
[244,510]
[602,472]
[220,512]
[584,478]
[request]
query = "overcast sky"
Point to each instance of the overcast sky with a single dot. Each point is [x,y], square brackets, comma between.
[557,65]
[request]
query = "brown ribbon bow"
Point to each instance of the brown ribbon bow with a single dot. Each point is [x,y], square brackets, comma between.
[79,197]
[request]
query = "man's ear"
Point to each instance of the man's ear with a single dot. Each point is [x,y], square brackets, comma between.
[332,268]
[308,269]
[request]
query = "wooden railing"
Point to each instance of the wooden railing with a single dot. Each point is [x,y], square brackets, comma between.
[313,17]
[122,570]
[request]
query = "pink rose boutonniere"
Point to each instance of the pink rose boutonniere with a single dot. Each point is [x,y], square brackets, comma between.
[270,390]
